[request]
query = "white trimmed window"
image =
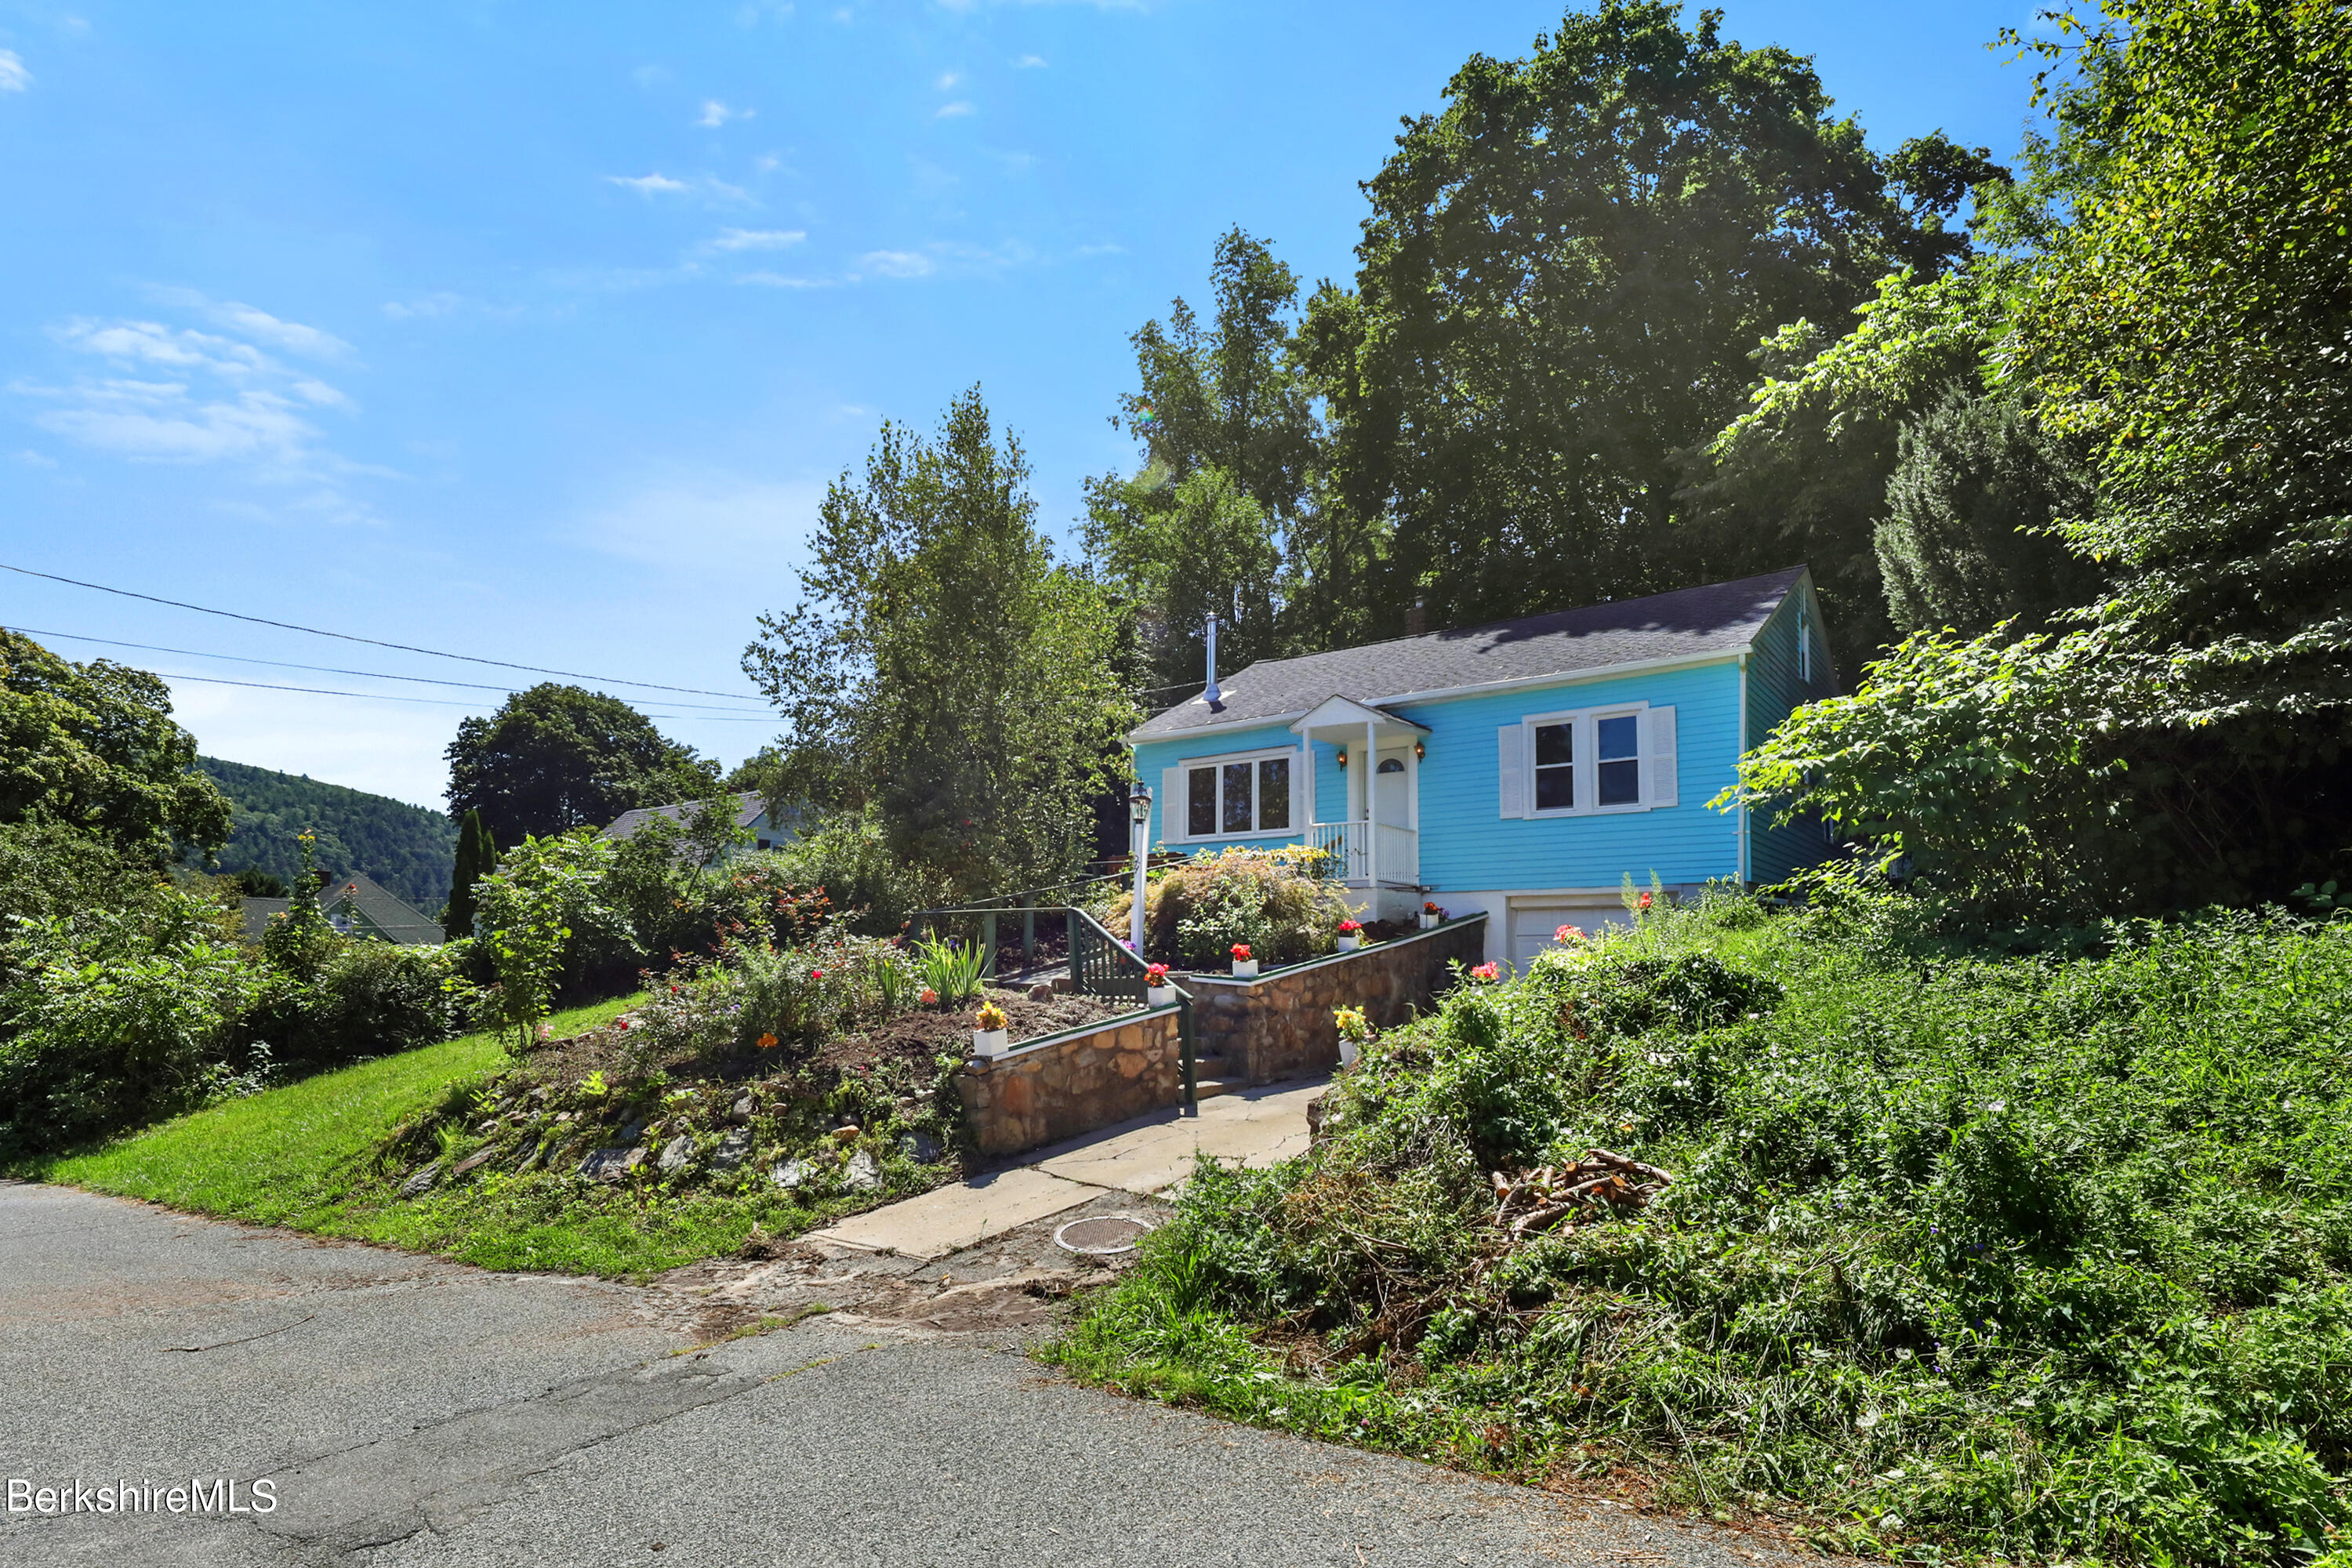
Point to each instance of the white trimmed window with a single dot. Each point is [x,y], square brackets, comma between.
[1247,794]
[1587,761]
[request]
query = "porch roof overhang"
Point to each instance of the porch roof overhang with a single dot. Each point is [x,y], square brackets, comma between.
[1346,717]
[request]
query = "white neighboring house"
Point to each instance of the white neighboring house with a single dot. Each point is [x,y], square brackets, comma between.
[751,813]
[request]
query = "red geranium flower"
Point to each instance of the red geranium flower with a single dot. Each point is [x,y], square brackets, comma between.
[1486,972]
[1350,928]
[1241,950]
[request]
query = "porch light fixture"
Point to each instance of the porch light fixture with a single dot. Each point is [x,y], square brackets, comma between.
[1419,750]
[1138,804]
[1343,757]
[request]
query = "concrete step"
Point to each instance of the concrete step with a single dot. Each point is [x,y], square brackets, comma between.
[1210,1088]
[1212,1075]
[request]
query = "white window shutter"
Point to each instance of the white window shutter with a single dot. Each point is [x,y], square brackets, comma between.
[1658,769]
[1173,808]
[1298,791]
[1511,761]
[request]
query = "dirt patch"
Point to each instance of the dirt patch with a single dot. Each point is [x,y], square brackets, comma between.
[924,1033]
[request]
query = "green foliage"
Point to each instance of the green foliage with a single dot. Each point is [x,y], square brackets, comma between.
[941,670]
[1275,901]
[1560,287]
[92,747]
[2034,1257]
[112,1016]
[1970,540]
[477,856]
[1986,765]
[778,995]
[556,758]
[406,848]
[950,969]
[2174,313]
[47,869]
[848,859]
[298,941]
[1220,515]
[530,907]
[360,999]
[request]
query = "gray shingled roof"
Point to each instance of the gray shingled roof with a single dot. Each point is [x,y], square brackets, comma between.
[1691,622]
[747,811]
[378,911]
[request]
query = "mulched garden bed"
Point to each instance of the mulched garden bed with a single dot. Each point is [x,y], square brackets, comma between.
[917,1037]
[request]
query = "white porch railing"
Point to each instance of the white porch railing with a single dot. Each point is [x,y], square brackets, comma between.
[1350,845]
[1399,857]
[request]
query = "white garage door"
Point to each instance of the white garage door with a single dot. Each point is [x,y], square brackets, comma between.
[1532,927]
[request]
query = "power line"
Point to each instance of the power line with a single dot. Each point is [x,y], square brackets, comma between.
[436,701]
[315,669]
[372,642]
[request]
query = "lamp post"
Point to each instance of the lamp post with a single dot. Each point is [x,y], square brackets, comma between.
[1139,806]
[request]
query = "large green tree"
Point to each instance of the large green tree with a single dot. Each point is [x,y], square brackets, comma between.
[943,671]
[558,757]
[1220,515]
[1561,285]
[93,747]
[2178,314]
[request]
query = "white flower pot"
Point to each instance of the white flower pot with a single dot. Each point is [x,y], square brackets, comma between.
[991,1042]
[1159,995]
[1350,943]
[1245,968]
[1429,921]
[1349,1052]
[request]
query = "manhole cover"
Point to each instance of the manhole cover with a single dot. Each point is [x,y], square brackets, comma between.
[1102,1235]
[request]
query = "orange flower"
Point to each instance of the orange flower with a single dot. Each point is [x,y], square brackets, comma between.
[767,1042]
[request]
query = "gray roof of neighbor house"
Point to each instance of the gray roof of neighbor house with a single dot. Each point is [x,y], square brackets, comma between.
[1718,619]
[376,910]
[379,913]
[746,812]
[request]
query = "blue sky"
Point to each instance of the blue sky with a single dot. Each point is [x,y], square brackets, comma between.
[536,332]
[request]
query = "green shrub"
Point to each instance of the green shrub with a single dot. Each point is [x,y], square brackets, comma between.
[2038,1255]
[848,859]
[47,871]
[1274,900]
[364,999]
[113,1017]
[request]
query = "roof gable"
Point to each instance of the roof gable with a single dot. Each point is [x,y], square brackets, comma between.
[1716,620]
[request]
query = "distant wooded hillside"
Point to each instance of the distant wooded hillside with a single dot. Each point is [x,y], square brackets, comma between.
[408,848]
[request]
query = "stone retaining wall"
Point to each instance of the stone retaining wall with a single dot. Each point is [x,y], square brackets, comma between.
[1063,1085]
[1279,1026]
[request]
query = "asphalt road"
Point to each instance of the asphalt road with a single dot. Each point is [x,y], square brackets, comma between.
[409,1412]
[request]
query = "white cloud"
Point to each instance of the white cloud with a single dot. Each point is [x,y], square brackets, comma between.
[660,184]
[179,394]
[1103,250]
[948,80]
[779,280]
[255,322]
[755,239]
[650,76]
[32,459]
[428,305]
[954,110]
[1030,63]
[14,77]
[898,263]
[716,114]
[768,162]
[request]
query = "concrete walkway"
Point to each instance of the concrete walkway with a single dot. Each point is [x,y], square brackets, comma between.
[1148,1157]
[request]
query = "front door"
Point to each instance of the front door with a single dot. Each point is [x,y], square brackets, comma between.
[1391,790]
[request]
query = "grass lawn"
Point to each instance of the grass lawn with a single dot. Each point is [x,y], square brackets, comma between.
[305,1156]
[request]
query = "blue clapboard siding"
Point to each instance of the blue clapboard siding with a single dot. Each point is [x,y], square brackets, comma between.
[1775,688]
[1467,843]
[1151,761]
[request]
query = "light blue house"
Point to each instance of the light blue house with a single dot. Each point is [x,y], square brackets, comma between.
[1524,768]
